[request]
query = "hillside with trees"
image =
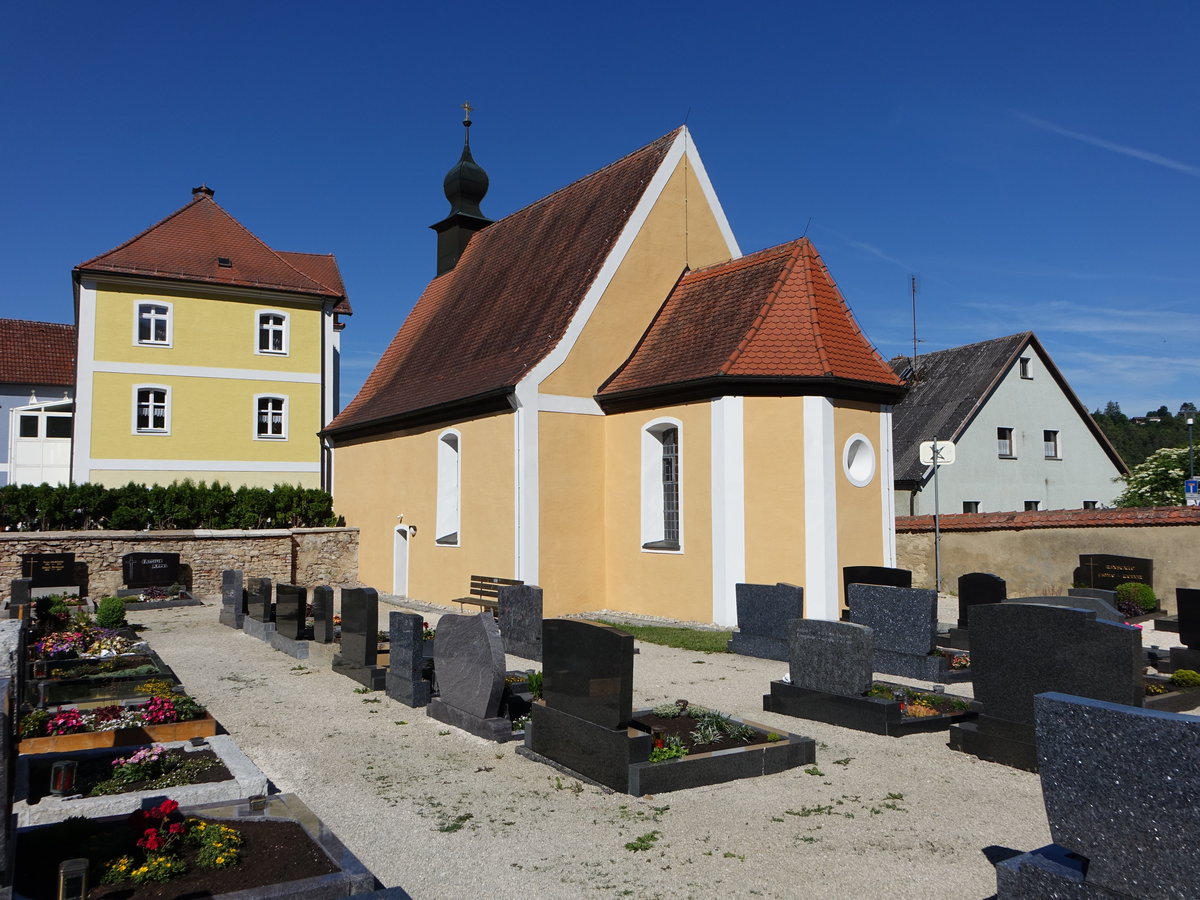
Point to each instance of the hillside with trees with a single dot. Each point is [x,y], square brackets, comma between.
[1137,437]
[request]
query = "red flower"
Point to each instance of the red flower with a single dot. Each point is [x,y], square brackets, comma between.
[176,828]
[150,841]
[659,743]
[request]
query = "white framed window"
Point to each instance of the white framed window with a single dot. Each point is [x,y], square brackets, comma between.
[1005,448]
[449,489]
[152,323]
[270,417]
[970,506]
[662,499]
[271,332]
[1025,370]
[1033,505]
[858,460]
[1090,504]
[151,409]
[1050,442]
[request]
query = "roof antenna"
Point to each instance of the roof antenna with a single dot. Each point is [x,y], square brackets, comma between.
[687,115]
[913,285]
[806,224]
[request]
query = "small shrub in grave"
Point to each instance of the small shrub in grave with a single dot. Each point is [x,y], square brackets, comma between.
[680,728]
[1136,592]
[110,613]
[1185,678]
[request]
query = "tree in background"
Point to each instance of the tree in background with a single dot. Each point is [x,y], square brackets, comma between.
[1158,481]
[1135,441]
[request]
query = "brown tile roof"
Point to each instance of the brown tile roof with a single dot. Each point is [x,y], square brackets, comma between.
[776,314]
[482,326]
[185,246]
[1054,518]
[36,352]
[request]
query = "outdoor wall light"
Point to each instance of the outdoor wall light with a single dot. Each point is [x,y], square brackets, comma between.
[72,879]
[62,778]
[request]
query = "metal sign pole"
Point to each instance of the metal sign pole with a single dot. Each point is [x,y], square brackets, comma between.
[937,521]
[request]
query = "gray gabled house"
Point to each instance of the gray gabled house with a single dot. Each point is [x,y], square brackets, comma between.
[1023,440]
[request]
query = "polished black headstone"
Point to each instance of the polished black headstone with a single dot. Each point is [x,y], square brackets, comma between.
[884,575]
[587,671]
[521,620]
[233,598]
[258,600]
[406,660]
[291,606]
[141,570]
[978,587]
[468,655]
[19,595]
[1187,605]
[1104,570]
[835,657]
[360,626]
[49,569]
[323,614]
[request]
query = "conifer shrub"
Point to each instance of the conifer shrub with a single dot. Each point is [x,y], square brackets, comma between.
[1141,594]
[110,612]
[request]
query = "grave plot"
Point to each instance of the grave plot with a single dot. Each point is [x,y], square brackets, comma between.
[904,626]
[763,613]
[154,581]
[53,573]
[359,657]
[1125,823]
[91,682]
[233,598]
[973,588]
[410,670]
[1021,650]
[474,692]
[830,672]
[585,723]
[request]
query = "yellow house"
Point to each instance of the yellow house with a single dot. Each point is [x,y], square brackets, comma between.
[205,354]
[603,397]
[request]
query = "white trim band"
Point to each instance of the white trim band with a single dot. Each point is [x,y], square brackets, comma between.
[164,371]
[202,465]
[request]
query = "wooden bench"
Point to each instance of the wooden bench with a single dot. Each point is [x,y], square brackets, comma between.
[485,592]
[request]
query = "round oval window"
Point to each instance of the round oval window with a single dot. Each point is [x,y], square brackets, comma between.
[858,460]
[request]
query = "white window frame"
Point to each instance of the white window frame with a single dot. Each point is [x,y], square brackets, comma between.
[972,503]
[654,512]
[1025,367]
[1055,444]
[859,460]
[1012,443]
[258,435]
[1091,504]
[166,429]
[169,318]
[1033,505]
[285,328]
[448,523]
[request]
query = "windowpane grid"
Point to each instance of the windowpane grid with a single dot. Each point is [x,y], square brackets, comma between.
[670,484]
[270,417]
[152,324]
[271,333]
[1004,441]
[151,410]
[1050,442]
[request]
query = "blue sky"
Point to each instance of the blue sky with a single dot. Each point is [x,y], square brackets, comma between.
[1036,165]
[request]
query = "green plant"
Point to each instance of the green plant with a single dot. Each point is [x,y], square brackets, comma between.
[643,842]
[1157,481]
[535,684]
[667,710]
[456,823]
[1185,678]
[813,770]
[110,612]
[1141,594]
[1153,688]
[34,723]
[669,747]
[774,737]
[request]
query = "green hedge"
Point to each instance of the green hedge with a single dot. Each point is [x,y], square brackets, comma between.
[182,504]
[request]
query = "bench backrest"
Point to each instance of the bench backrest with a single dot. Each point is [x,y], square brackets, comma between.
[487,586]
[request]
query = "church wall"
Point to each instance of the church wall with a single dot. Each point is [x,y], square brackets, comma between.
[859,508]
[774,479]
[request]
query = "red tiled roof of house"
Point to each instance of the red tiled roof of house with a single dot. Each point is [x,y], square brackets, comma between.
[482,326]
[36,352]
[773,314]
[186,246]
[1125,517]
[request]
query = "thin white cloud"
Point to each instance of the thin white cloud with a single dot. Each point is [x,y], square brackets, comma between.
[1135,152]
[1092,319]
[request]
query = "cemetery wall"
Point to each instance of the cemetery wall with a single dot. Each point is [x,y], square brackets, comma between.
[1037,552]
[305,556]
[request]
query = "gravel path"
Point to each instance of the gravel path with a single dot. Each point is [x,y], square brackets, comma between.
[878,817]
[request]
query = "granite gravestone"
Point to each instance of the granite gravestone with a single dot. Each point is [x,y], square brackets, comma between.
[258,600]
[978,587]
[48,570]
[1020,650]
[1103,609]
[143,570]
[406,675]
[233,598]
[834,657]
[520,610]
[763,613]
[1109,597]
[360,626]
[323,614]
[1187,606]
[19,597]
[884,575]
[468,656]
[291,607]
[587,671]
[904,623]
[1129,817]
[1104,570]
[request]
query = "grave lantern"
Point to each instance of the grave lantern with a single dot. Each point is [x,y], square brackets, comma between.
[72,879]
[62,777]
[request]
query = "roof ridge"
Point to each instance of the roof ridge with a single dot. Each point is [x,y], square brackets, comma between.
[810,299]
[36,322]
[265,245]
[739,262]
[1025,335]
[145,231]
[764,310]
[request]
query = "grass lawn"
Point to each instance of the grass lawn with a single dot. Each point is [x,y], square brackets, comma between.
[674,636]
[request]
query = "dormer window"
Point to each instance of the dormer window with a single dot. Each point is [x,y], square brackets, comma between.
[224,262]
[152,324]
[272,332]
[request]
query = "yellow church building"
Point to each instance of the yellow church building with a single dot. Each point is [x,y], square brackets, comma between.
[205,354]
[599,394]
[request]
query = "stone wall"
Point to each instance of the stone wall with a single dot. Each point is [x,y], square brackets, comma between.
[1037,552]
[305,556]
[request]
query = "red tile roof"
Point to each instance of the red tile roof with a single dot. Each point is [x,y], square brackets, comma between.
[186,245]
[36,352]
[776,314]
[1054,518]
[482,326]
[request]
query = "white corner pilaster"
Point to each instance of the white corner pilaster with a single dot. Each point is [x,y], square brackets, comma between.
[821,583]
[85,362]
[728,507]
[887,486]
[526,488]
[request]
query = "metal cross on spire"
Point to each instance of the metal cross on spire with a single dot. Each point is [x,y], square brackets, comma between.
[467,107]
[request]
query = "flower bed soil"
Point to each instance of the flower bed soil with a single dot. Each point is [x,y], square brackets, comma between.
[92,772]
[273,852]
[205,726]
[682,727]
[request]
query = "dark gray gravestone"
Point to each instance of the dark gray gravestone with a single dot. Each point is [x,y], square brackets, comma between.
[763,612]
[978,587]
[19,596]
[1020,650]
[884,575]
[468,656]
[1132,815]
[835,657]
[323,614]
[1104,570]
[521,620]
[233,598]
[360,626]
[406,660]
[291,606]
[587,671]
[1109,597]
[8,763]
[1187,605]
[1101,608]
[141,570]
[258,600]
[49,569]
[904,622]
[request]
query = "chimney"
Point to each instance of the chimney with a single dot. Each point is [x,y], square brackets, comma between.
[203,191]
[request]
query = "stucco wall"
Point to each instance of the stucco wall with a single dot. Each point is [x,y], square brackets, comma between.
[305,556]
[1037,552]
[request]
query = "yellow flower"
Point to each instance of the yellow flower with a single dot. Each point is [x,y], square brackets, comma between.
[220,859]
